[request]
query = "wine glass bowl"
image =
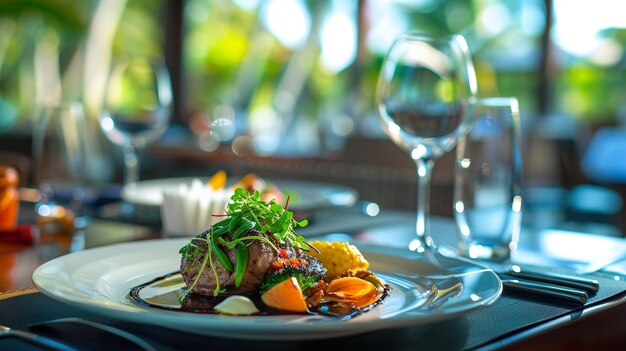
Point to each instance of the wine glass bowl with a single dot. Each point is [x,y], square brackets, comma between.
[425,95]
[137,107]
[59,159]
[424,92]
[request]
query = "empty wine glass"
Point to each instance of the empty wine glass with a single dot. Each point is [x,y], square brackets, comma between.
[425,96]
[137,108]
[59,160]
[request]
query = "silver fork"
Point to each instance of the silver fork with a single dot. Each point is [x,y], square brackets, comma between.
[35,339]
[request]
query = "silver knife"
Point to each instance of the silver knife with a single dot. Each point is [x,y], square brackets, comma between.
[577,282]
[561,293]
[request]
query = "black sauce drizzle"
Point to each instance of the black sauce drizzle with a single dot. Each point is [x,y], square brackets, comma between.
[195,303]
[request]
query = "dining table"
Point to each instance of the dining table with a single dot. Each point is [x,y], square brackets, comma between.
[511,321]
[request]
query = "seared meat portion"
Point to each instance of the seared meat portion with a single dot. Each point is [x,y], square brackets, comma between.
[260,258]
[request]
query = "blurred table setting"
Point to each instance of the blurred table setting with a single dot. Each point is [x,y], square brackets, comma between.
[74,258]
[362,223]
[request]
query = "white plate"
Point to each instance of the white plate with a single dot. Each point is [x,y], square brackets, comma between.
[308,195]
[100,280]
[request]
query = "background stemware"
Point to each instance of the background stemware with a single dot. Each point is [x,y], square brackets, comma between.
[59,162]
[137,108]
[424,98]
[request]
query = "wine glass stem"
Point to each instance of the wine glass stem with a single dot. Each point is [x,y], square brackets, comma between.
[424,172]
[131,163]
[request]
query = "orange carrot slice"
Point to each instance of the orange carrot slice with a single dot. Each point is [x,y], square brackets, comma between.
[286,296]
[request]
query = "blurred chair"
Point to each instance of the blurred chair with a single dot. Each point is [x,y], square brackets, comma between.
[603,164]
[588,194]
[604,160]
[594,209]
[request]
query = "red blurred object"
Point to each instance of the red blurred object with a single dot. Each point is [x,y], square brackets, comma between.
[9,198]
[21,234]
[7,263]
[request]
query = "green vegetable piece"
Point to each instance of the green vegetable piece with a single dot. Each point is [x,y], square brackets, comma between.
[245,226]
[223,222]
[234,220]
[272,279]
[221,256]
[240,264]
[183,250]
[222,241]
[219,231]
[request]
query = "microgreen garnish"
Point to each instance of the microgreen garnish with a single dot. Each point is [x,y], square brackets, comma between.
[244,212]
[270,217]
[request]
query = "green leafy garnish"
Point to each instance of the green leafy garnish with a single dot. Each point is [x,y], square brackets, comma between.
[271,218]
[245,211]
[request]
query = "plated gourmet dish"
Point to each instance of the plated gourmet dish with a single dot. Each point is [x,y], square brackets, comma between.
[253,262]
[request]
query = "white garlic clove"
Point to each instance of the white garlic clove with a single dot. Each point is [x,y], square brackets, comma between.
[236,305]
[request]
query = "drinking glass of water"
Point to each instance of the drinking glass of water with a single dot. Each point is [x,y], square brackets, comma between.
[137,108]
[488,177]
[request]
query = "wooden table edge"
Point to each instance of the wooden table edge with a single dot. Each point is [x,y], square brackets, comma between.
[19,292]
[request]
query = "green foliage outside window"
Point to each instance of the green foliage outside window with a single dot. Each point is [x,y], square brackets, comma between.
[230,57]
